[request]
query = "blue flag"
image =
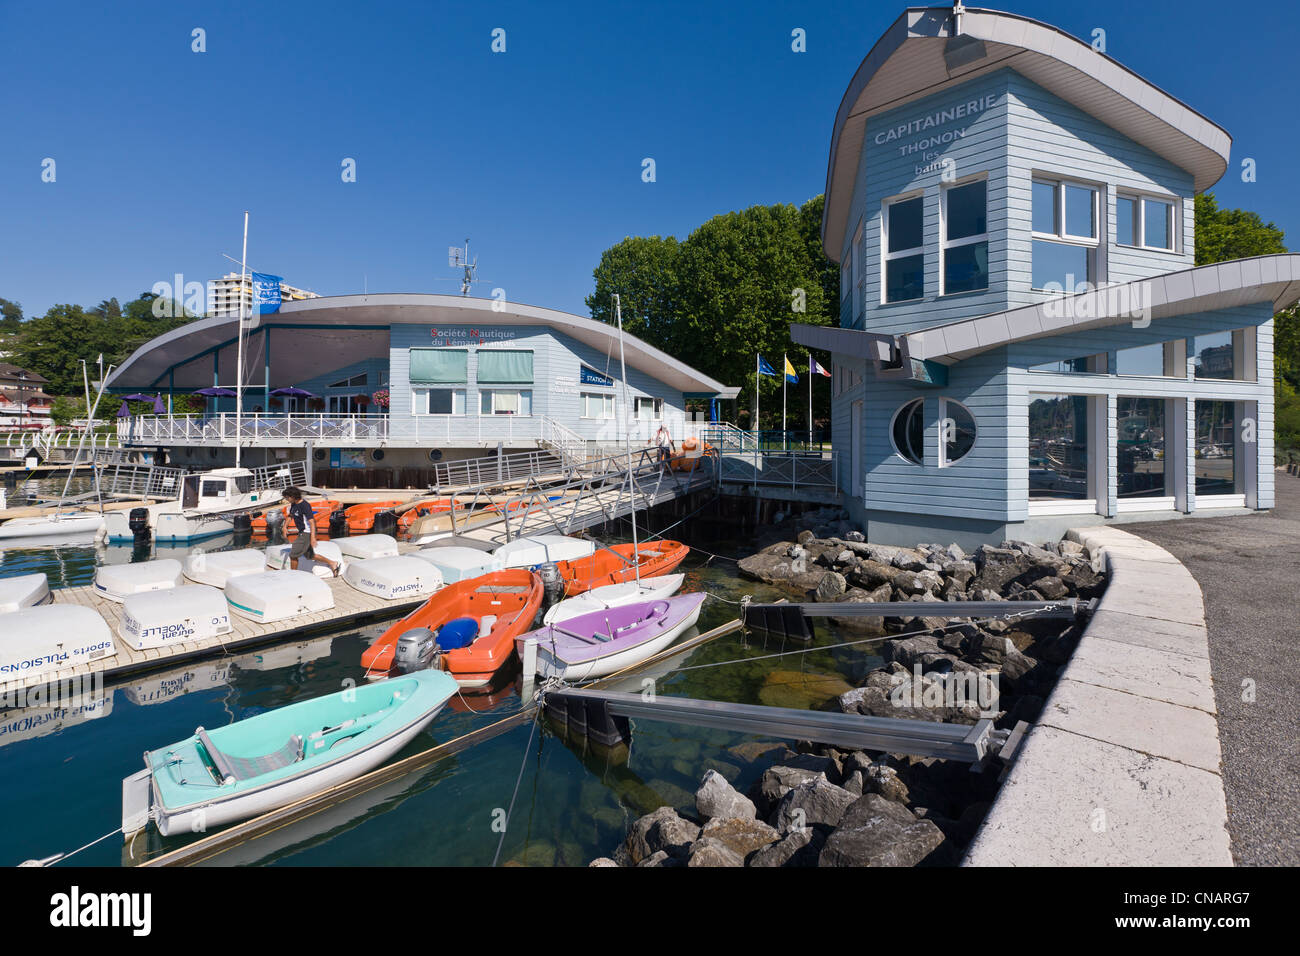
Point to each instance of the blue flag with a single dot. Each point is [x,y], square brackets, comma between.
[764,368]
[266,293]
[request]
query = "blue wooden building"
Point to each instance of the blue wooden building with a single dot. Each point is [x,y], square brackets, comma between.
[1025,343]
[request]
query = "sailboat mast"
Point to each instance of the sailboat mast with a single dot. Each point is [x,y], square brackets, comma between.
[239,345]
[627,438]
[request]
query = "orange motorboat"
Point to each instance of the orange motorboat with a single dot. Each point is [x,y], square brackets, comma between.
[437,507]
[614,565]
[689,458]
[321,509]
[474,623]
[362,517]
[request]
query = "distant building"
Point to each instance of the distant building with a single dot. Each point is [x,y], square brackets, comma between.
[224,294]
[23,399]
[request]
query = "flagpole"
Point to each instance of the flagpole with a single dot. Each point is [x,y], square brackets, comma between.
[239,346]
[785,388]
[757,358]
[810,422]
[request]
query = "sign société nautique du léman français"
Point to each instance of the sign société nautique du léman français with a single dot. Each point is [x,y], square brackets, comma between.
[470,336]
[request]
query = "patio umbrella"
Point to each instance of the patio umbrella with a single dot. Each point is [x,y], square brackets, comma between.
[216,391]
[293,392]
[137,398]
[124,411]
[158,407]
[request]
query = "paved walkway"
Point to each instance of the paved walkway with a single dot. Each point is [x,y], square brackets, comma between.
[1249,570]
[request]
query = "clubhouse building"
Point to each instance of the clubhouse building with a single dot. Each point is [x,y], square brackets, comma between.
[1025,342]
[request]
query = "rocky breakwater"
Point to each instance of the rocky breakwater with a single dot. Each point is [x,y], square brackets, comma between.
[819,806]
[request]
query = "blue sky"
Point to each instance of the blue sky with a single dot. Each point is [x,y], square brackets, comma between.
[534,154]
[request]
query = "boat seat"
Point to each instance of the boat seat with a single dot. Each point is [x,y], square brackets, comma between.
[232,768]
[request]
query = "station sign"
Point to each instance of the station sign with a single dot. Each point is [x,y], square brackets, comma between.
[589,376]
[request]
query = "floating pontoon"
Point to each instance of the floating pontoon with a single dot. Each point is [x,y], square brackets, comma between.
[191,612]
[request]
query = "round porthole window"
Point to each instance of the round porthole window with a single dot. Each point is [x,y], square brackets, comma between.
[377,454]
[908,431]
[958,426]
[318,454]
[435,454]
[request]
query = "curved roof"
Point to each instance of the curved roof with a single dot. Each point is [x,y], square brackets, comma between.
[908,62]
[338,330]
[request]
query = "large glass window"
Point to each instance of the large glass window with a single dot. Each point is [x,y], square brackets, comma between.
[908,431]
[1058,447]
[440,401]
[1212,355]
[1065,224]
[1216,472]
[1141,360]
[502,401]
[965,238]
[597,405]
[505,367]
[904,258]
[439,366]
[1145,222]
[958,431]
[649,409]
[1140,448]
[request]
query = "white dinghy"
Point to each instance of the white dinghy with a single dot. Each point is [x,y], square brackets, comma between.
[369,546]
[118,581]
[24,590]
[277,558]
[459,564]
[614,595]
[393,578]
[277,595]
[191,612]
[41,640]
[53,525]
[217,567]
[532,550]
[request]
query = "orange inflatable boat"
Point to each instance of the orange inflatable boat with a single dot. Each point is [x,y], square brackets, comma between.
[361,517]
[477,620]
[614,565]
[321,509]
[440,506]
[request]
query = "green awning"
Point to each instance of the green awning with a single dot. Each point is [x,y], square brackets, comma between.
[505,367]
[439,366]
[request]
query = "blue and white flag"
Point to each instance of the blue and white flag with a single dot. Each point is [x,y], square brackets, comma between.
[266,293]
[764,368]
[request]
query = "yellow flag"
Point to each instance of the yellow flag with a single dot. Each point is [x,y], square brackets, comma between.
[790,374]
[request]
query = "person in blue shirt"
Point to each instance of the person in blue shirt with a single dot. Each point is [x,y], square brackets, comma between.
[302,525]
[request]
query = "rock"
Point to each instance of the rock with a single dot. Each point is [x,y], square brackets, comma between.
[800,690]
[909,650]
[804,537]
[776,782]
[961,572]
[1068,548]
[811,803]
[955,552]
[752,750]
[662,830]
[884,780]
[661,858]
[831,586]
[863,623]
[718,799]
[797,848]
[855,536]
[871,574]
[992,648]
[740,836]
[713,853]
[877,832]
[602,861]
[1051,588]
[908,560]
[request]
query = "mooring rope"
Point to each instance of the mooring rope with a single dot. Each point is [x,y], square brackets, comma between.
[58,857]
[518,780]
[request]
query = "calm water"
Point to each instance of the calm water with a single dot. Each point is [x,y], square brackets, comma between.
[63,767]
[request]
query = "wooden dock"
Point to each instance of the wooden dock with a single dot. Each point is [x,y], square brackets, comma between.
[350,606]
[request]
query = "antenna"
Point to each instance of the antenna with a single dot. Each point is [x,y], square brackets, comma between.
[459,259]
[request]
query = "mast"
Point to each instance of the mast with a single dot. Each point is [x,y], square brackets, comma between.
[239,345]
[627,439]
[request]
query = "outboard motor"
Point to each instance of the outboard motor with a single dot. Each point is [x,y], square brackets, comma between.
[552,583]
[385,523]
[274,519]
[417,649]
[243,523]
[138,522]
[338,524]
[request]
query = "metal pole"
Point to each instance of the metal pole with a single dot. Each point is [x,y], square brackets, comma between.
[810,420]
[627,439]
[239,346]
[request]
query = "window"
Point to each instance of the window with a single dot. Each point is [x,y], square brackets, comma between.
[857,275]
[958,431]
[908,431]
[506,402]
[1073,366]
[1215,444]
[1212,355]
[904,260]
[1140,448]
[353,382]
[439,366]
[596,405]
[213,489]
[1065,217]
[1142,360]
[649,409]
[1145,222]
[1058,447]
[440,401]
[343,405]
[505,367]
[965,249]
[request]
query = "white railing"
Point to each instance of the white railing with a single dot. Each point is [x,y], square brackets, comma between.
[793,469]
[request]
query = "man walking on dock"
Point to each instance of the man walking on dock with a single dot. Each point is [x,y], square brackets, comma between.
[303,521]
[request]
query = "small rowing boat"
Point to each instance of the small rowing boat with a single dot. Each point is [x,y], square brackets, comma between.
[53,525]
[217,567]
[24,590]
[217,777]
[532,550]
[603,642]
[615,565]
[615,595]
[467,628]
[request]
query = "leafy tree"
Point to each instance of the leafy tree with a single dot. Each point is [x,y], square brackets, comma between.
[1223,234]
[54,343]
[11,316]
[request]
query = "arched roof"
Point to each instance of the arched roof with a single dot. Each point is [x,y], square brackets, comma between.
[913,59]
[334,331]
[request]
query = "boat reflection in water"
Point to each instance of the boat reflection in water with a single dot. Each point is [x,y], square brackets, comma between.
[43,719]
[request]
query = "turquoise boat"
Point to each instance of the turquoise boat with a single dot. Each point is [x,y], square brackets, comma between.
[254,765]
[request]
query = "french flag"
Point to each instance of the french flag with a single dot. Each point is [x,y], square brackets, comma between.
[816,369]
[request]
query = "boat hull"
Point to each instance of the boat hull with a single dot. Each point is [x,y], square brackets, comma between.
[51,526]
[614,565]
[614,595]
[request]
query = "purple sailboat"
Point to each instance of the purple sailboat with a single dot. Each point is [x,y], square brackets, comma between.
[603,642]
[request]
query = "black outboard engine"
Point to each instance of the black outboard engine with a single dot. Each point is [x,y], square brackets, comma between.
[243,523]
[417,649]
[385,523]
[138,522]
[552,583]
[338,524]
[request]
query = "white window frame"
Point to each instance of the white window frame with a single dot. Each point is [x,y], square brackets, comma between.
[358,380]
[1140,201]
[420,400]
[607,405]
[494,392]
[944,461]
[859,299]
[893,421]
[945,244]
[886,256]
[657,408]
[1061,237]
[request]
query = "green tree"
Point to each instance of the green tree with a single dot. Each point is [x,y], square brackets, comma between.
[643,271]
[1223,234]
[11,316]
[54,343]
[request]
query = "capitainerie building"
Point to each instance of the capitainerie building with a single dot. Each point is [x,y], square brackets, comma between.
[1024,341]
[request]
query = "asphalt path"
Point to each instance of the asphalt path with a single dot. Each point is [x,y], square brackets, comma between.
[1249,571]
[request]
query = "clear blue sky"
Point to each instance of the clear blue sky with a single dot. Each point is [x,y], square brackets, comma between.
[535,154]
